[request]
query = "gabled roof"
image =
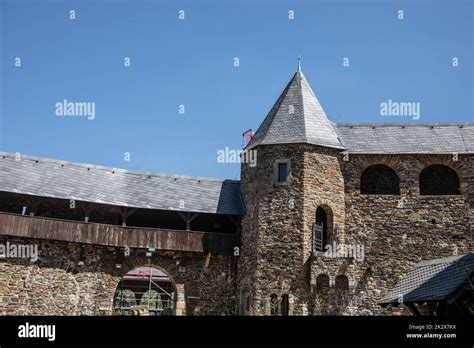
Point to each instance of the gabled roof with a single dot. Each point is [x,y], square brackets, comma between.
[90,183]
[296,117]
[407,138]
[432,280]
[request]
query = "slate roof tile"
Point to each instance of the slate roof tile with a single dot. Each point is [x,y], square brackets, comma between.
[90,183]
[407,139]
[432,280]
[296,117]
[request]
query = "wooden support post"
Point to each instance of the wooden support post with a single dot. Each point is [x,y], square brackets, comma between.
[32,203]
[412,307]
[207,260]
[188,218]
[125,213]
[87,208]
[235,221]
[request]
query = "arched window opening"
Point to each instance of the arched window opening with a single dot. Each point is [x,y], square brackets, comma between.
[438,179]
[322,284]
[285,305]
[150,287]
[342,289]
[379,179]
[323,228]
[245,301]
[273,304]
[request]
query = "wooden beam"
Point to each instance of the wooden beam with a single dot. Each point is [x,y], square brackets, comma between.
[32,202]
[188,218]
[125,213]
[236,221]
[412,307]
[87,208]
[116,236]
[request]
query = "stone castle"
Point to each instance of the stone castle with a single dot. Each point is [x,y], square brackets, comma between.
[326,222]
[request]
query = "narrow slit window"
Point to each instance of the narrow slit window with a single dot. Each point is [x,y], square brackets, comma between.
[282,172]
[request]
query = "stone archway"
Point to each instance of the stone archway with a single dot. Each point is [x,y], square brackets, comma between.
[148,290]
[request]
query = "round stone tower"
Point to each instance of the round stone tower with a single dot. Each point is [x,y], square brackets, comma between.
[294,197]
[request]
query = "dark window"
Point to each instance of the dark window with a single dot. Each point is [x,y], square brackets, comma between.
[322,284]
[438,179]
[273,304]
[342,289]
[322,220]
[285,305]
[342,283]
[282,172]
[379,179]
[244,302]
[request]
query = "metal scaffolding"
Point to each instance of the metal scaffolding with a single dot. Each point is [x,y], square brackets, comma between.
[144,291]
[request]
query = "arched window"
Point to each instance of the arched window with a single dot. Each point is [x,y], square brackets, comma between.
[273,304]
[379,179]
[244,308]
[322,220]
[248,299]
[323,228]
[285,305]
[342,289]
[438,179]
[342,283]
[322,284]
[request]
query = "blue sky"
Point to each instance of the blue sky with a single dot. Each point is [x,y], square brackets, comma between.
[190,62]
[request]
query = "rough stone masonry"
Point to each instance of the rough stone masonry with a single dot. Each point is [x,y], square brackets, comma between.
[401,193]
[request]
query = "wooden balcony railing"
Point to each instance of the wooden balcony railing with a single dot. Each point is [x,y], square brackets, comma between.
[111,235]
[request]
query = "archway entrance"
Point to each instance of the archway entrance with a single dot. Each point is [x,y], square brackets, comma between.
[145,291]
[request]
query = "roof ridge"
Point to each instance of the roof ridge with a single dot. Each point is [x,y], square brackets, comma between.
[257,136]
[444,260]
[112,169]
[300,79]
[403,124]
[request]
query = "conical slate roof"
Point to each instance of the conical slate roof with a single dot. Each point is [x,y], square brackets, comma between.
[296,117]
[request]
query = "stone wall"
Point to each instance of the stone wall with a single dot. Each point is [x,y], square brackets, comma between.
[398,231]
[394,232]
[272,256]
[323,187]
[277,229]
[57,283]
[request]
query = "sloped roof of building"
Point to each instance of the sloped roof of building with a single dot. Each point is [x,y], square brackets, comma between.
[296,117]
[407,138]
[90,183]
[432,280]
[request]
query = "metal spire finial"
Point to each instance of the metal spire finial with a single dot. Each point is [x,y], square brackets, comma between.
[299,63]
